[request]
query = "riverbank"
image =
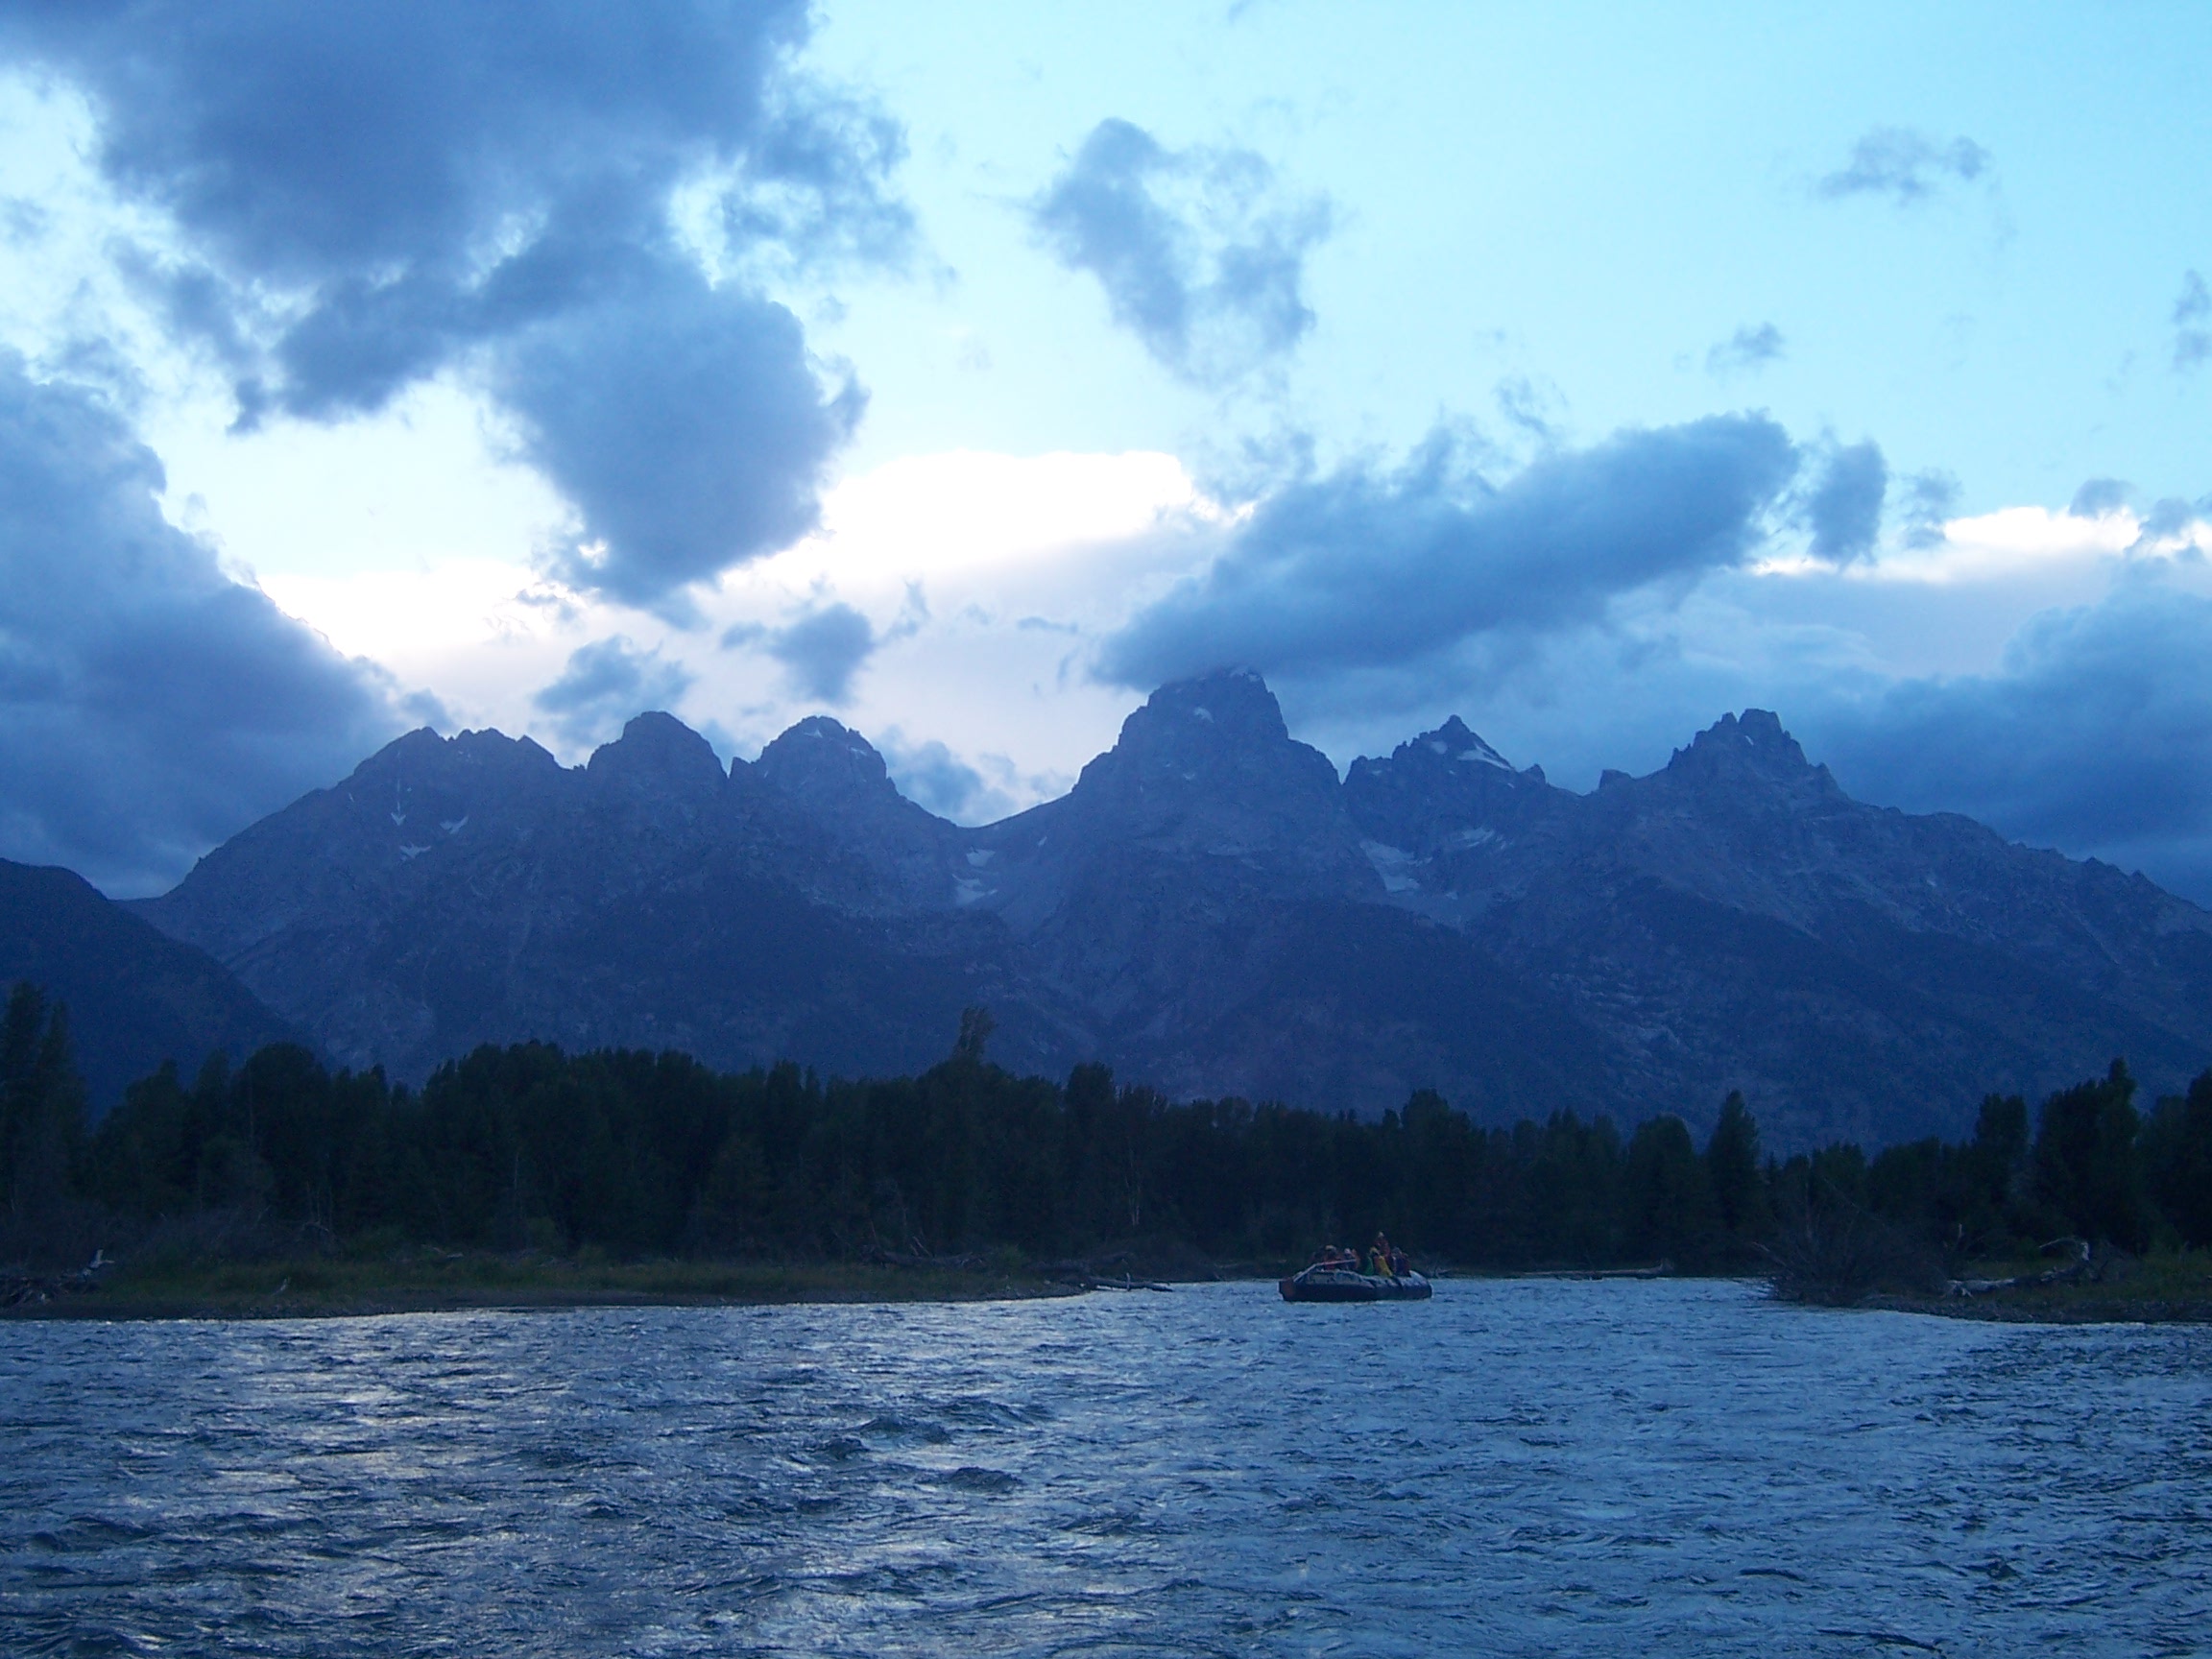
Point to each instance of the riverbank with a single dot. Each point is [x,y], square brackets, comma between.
[2165,1288]
[440,1282]
[2159,1289]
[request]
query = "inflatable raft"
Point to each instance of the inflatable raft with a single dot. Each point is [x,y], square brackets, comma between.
[1329,1283]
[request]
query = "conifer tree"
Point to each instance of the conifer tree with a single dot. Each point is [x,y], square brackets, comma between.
[2086,1165]
[1732,1170]
[42,1112]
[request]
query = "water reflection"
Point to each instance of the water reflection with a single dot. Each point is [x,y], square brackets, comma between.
[1517,1467]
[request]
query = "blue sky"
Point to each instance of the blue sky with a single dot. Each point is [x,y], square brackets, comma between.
[1591,198]
[1585,370]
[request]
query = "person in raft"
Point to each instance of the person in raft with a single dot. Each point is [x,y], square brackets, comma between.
[1379,1253]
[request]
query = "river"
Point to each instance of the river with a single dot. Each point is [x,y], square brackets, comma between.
[1517,1467]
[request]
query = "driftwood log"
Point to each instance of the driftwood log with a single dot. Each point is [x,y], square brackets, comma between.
[2074,1269]
[24,1289]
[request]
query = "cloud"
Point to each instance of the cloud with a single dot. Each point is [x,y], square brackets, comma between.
[824,647]
[1905,165]
[823,650]
[364,198]
[683,421]
[2091,735]
[604,685]
[1747,349]
[2192,313]
[1368,569]
[2099,497]
[2173,527]
[932,775]
[1202,256]
[1930,499]
[149,705]
[1845,506]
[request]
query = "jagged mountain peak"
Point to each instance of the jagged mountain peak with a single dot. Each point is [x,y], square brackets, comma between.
[1753,744]
[1230,704]
[1208,768]
[1455,740]
[1452,744]
[497,748]
[824,761]
[1209,727]
[422,759]
[406,752]
[424,745]
[1444,794]
[1215,734]
[656,752]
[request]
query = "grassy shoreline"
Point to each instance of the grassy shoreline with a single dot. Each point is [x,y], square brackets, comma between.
[2165,1288]
[2060,1304]
[324,1288]
[2158,1290]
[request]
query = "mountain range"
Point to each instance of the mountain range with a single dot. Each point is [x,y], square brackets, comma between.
[1211,909]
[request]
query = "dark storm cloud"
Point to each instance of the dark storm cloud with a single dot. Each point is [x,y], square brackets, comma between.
[1747,349]
[1844,508]
[1905,165]
[149,705]
[823,650]
[1202,257]
[1363,568]
[2092,735]
[606,683]
[683,422]
[370,195]
[2192,322]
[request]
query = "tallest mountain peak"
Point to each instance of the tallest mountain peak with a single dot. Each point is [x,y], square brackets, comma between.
[657,750]
[1235,701]
[1197,726]
[1207,767]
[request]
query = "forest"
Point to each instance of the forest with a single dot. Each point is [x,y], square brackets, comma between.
[654,1155]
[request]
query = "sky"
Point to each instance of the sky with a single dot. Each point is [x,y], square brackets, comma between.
[966,371]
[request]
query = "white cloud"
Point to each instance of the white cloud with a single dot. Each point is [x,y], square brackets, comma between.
[409,619]
[2012,542]
[928,515]
[2007,545]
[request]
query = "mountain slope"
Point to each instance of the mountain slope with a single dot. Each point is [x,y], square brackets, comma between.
[1736,920]
[135,997]
[456,892]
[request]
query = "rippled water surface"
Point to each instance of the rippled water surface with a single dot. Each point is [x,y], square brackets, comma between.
[1515,1467]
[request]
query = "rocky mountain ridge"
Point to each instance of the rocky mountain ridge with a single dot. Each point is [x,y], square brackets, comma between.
[1211,910]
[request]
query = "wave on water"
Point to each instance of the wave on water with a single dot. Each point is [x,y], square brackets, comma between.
[1641,1468]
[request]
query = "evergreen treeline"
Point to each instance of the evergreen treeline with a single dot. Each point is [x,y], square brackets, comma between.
[655,1154]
